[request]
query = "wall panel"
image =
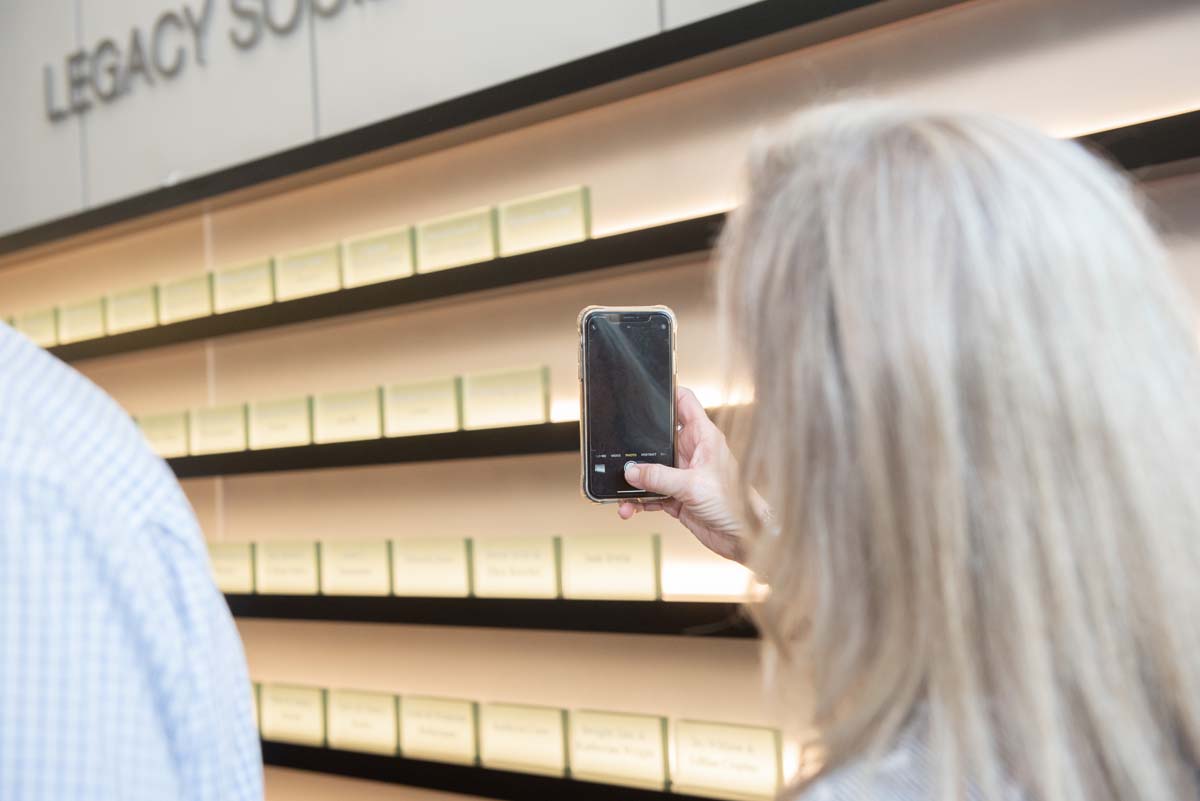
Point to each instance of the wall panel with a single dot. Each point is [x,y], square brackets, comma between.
[684,12]
[283,784]
[241,105]
[384,58]
[40,170]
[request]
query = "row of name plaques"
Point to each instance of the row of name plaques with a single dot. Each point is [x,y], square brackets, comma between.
[587,567]
[718,760]
[484,400]
[542,221]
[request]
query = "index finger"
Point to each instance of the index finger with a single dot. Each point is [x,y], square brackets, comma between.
[688,407]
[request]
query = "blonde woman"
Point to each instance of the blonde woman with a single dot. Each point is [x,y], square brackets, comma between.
[977,425]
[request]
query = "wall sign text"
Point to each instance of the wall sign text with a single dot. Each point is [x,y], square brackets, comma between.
[177,40]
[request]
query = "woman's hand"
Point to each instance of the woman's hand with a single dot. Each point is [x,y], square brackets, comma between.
[698,487]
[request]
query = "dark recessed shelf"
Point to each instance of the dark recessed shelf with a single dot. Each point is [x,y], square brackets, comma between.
[484,782]
[514,441]
[821,20]
[659,242]
[1150,143]
[682,618]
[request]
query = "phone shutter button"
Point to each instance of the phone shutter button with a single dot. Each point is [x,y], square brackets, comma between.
[625,467]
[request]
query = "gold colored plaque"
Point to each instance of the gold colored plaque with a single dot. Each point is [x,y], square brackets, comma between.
[243,287]
[347,416]
[547,220]
[616,748]
[308,272]
[431,567]
[355,568]
[291,714]
[132,310]
[81,321]
[515,567]
[363,721]
[378,257]
[457,240]
[726,760]
[280,423]
[40,326]
[220,429]
[506,398]
[185,299]
[611,567]
[438,729]
[428,407]
[286,568]
[232,566]
[167,434]
[531,739]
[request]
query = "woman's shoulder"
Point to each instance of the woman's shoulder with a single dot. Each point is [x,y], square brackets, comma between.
[902,775]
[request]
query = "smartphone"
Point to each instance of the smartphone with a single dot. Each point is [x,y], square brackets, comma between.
[626,396]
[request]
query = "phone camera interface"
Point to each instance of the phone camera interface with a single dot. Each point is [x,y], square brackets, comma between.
[629,398]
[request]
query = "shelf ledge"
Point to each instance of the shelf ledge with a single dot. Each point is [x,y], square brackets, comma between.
[466,780]
[672,618]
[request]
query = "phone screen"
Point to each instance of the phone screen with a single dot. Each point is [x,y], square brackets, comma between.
[630,407]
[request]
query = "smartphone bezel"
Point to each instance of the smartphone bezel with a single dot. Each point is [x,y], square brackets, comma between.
[581,325]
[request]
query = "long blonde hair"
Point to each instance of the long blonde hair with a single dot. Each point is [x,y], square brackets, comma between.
[977,419]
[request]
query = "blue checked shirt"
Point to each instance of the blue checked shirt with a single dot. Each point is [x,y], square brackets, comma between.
[121,674]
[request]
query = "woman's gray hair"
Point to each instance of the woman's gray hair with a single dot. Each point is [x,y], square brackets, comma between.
[977,419]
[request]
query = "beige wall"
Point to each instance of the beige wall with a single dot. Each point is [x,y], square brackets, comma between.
[297,785]
[1068,66]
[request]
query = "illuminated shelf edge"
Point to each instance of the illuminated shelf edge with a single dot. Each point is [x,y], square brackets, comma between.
[490,442]
[720,619]
[466,780]
[676,238]
[526,440]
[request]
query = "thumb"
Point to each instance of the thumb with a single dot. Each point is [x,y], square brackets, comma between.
[660,479]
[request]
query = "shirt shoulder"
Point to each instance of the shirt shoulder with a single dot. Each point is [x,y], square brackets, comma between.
[902,775]
[57,428]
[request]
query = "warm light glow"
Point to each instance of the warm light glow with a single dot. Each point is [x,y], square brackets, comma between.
[714,396]
[710,395]
[1074,130]
[723,580]
[564,410]
[717,207]
[791,760]
[672,755]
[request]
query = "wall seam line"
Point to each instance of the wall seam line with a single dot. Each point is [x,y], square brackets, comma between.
[85,191]
[312,74]
[210,377]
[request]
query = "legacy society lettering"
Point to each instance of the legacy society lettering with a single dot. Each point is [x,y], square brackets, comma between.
[115,66]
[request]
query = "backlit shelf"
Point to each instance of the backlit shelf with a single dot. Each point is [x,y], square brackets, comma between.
[1144,144]
[512,441]
[659,242]
[678,618]
[466,780]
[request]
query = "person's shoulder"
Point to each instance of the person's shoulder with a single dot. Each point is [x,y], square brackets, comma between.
[58,428]
[901,775]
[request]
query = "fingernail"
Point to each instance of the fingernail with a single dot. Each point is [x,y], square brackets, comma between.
[632,472]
